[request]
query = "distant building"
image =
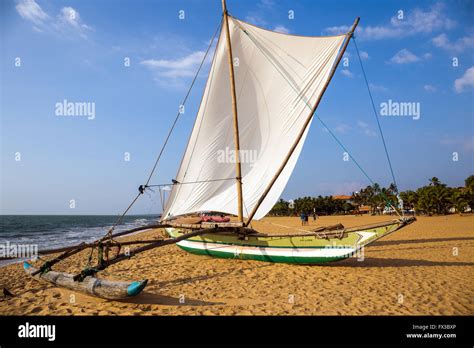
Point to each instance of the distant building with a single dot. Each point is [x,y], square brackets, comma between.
[364,209]
[342,198]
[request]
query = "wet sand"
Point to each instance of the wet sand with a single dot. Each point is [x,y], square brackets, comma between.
[426,268]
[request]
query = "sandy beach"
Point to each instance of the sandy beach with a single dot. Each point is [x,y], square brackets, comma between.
[426,268]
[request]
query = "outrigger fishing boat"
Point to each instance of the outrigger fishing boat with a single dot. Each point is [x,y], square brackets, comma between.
[260,98]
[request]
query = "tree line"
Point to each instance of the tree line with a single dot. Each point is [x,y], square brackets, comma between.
[434,198]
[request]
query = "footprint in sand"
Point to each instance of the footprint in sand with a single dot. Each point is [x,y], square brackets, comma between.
[35,310]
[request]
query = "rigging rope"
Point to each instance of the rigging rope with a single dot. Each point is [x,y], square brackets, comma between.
[184,102]
[376,116]
[142,188]
[189,182]
[301,96]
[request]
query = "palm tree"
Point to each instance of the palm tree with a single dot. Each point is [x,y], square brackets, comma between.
[459,200]
[469,189]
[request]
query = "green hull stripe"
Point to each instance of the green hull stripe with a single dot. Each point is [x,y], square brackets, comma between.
[198,240]
[267,258]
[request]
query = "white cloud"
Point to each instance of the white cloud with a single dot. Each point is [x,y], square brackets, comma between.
[171,72]
[256,20]
[69,20]
[347,73]
[266,4]
[31,11]
[404,56]
[468,144]
[365,128]
[442,41]
[337,30]
[338,188]
[377,88]
[459,141]
[364,55]
[429,88]
[342,128]
[466,81]
[427,55]
[67,23]
[281,29]
[416,22]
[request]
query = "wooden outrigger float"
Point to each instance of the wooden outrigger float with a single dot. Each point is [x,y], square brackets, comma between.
[85,281]
[276,110]
[112,290]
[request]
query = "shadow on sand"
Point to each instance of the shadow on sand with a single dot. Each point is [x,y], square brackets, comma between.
[182,281]
[416,241]
[152,298]
[379,262]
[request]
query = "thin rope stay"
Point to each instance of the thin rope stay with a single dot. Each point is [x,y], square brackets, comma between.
[142,188]
[189,182]
[302,97]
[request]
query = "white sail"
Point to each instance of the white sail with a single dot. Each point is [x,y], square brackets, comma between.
[278,79]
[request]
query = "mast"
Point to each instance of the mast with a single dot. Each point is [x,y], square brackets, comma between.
[295,144]
[238,169]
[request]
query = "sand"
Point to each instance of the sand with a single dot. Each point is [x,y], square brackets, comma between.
[426,268]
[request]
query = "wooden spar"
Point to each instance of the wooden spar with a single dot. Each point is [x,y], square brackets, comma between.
[332,233]
[295,144]
[74,249]
[92,244]
[238,169]
[153,245]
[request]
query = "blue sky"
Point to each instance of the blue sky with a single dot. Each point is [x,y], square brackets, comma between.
[75,50]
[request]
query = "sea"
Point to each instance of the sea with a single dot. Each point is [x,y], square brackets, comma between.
[54,231]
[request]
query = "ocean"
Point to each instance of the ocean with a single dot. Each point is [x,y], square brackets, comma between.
[53,231]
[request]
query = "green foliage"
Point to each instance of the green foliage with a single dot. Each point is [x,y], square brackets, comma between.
[322,205]
[434,198]
[437,198]
[469,191]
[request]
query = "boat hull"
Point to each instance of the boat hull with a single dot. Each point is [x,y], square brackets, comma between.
[308,249]
[283,255]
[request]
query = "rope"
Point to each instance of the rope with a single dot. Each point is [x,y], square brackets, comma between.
[184,102]
[379,126]
[376,117]
[284,226]
[189,182]
[143,187]
[301,96]
[246,210]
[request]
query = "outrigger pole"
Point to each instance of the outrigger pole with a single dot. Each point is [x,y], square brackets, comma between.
[300,135]
[238,169]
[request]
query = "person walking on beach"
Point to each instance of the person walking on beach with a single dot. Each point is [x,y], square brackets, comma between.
[304,218]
